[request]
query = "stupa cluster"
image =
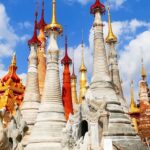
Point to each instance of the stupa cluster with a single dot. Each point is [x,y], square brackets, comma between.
[45,115]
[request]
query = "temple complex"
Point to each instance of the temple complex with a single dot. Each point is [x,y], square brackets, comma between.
[48,115]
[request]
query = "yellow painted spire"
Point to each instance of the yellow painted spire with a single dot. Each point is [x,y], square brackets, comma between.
[83,77]
[133,106]
[143,71]
[54,26]
[132,95]
[111,38]
[73,87]
[13,62]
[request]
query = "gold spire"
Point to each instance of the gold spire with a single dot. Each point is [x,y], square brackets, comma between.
[54,12]
[111,38]
[143,71]
[83,76]
[82,67]
[13,62]
[54,26]
[133,106]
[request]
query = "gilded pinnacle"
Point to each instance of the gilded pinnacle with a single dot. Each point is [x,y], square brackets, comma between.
[13,62]
[111,38]
[133,107]
[54,26]
[82,67]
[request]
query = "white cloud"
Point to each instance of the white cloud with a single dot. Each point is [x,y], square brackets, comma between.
[25,25]
[25,37]
[116,3]
[8,37]
[130,60]
[23,77]
[82,2]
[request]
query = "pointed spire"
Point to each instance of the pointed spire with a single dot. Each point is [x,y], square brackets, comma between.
[143,71]
[73,72]
[66,46]
[73,86]
[34,39]
[132,95]
[83,76]
[133,107]
[54,26]
[111,38]
[133,110]
[43,9]
[66,59]
[13,62]
[12,71]
[41,23]
[97,6]
[73,76]
[82,67]
[54,12]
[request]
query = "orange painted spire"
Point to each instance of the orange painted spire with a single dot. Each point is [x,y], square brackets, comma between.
[66,89]
[41,51]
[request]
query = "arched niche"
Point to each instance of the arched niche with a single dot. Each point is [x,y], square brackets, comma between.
[83,128]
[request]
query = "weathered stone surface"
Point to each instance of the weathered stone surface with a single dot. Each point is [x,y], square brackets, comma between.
[31,100]
[50,121]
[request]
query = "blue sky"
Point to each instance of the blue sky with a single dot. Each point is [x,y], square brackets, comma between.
[131,23]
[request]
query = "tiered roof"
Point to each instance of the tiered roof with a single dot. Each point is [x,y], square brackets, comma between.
[11,89]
